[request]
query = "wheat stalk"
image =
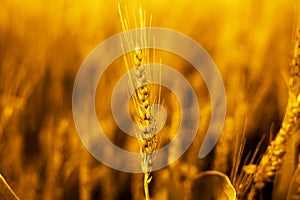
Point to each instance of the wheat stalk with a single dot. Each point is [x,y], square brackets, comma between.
[145,95]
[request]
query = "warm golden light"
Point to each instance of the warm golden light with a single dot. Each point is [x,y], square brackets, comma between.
[254,44]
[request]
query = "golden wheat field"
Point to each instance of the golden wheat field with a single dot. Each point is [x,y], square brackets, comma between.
[254,44]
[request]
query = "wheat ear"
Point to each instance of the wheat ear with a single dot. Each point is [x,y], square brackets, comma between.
[272,158]
[144,96]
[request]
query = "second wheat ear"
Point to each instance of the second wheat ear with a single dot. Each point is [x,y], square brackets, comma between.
[271,160]
[144,96]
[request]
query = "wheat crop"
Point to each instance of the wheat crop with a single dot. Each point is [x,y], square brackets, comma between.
[42,46]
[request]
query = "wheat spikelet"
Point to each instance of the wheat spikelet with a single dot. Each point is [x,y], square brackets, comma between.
[144,96]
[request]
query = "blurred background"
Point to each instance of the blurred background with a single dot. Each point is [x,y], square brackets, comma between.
[42,45]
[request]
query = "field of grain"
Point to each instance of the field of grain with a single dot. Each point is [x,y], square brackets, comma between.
[42,45]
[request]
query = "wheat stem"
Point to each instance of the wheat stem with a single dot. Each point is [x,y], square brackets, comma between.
[147,180]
